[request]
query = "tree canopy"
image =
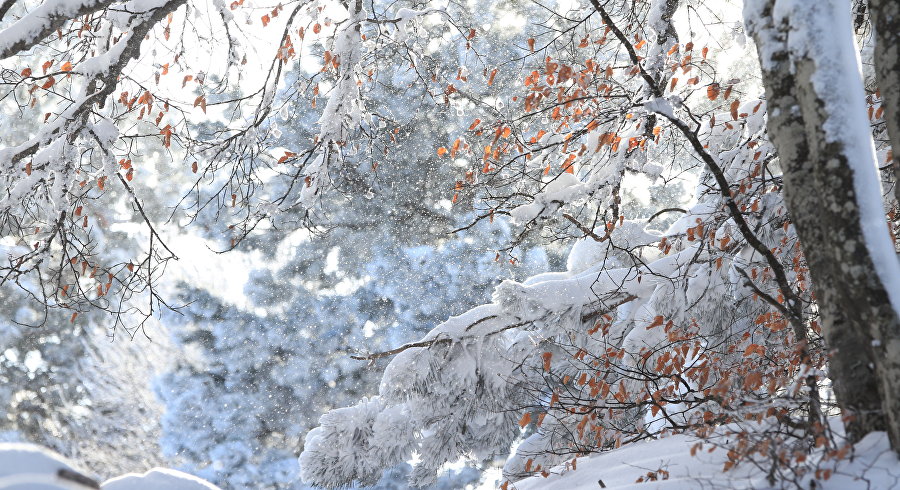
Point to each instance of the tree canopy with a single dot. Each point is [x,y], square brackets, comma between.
[400,182]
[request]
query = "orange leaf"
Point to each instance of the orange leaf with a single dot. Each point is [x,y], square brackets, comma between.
[266,19]
[753,380]
[531,44]
[568,165]
[441,151]
[696,447]
[49,83]
[734,109]
[475,124]
[491,78]
[26,72]
[546,356]
[712,91]
[201,101]
[657,321]
[640,44]
[525,420]
[167,135]
[754,349]
[67,66]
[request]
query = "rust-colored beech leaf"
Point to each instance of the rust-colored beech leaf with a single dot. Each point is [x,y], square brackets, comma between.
[525,420]
[546,357]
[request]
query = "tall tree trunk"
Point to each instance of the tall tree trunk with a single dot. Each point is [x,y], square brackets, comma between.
[885,15]
[819,128]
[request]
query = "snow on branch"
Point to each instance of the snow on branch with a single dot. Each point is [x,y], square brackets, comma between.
[35,26]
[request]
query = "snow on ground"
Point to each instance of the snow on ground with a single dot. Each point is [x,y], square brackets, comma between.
[156,479]
[874,467]
[31,467]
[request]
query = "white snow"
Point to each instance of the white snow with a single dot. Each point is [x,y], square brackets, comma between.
[31,467]
[158,478]
[29,28]
[660,106]
[874,466]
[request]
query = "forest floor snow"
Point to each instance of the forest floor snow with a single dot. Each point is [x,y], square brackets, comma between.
[873,466]
[31,467]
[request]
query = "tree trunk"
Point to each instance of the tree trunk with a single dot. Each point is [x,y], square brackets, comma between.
[885,15]
[810,88]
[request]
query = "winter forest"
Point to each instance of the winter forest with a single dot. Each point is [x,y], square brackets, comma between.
[449,244]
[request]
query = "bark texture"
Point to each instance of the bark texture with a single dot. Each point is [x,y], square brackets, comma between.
[885,15]
[819,190]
